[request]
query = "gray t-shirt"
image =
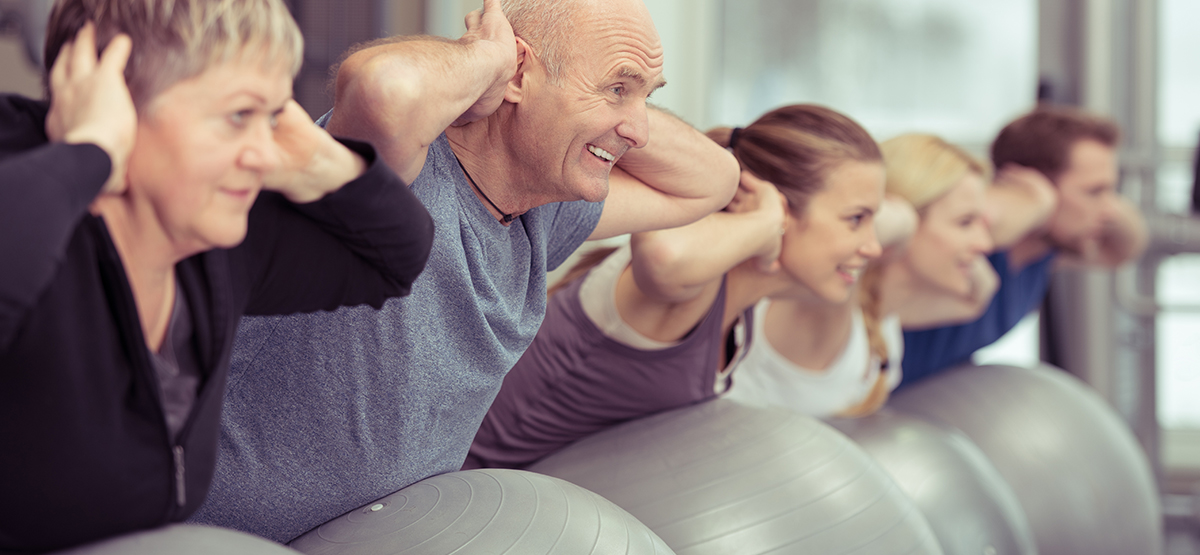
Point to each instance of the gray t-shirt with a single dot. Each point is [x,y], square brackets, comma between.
[329,411]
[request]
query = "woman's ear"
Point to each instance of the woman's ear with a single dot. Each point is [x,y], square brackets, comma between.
[515,91]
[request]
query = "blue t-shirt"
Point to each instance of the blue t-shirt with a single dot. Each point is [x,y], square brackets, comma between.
[329,411]
[928,352]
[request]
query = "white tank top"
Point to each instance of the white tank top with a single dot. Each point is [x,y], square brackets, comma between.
[765,378]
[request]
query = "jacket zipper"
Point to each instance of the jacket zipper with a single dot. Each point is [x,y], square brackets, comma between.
[180,483]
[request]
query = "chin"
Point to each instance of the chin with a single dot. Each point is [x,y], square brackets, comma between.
[227,237]
[594,192]
[836,295]
[957,289]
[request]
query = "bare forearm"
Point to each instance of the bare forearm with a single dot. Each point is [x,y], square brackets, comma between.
[679,177]
[682,162]
[1125,238]
[930,309]
[672,264]
[401,95]
[1014,211]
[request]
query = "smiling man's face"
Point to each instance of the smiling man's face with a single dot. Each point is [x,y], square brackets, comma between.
[573,131]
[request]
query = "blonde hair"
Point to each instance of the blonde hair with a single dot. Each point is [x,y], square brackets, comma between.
[174,40]
[920,168]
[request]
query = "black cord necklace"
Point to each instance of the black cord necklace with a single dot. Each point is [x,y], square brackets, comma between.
[505,218]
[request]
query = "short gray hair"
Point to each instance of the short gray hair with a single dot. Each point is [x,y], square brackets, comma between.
[174,40]
[548,26]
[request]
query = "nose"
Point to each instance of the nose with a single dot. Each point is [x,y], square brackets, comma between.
[260,152]
[982,239]
[871,248]
[635,125]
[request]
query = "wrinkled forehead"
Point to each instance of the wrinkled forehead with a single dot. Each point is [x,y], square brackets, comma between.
[621,36]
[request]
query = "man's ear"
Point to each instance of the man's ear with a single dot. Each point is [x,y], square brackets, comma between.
[515,90]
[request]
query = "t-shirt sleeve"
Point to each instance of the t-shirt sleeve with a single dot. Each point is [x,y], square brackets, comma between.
[573,223]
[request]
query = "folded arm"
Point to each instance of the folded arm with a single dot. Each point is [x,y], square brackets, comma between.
[401,93]
[45,189]
[1123,239]
[679,177]
[933,309]
[1020,201]
[675,274]
[361,244]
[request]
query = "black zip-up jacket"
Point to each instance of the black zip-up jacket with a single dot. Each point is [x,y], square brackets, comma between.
[84,449]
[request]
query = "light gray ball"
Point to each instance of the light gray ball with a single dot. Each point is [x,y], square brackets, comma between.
[1084,483]
[183,539]
[490,512]
[721,478]
[970,506]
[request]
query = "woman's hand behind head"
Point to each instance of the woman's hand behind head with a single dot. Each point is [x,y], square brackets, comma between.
[895,224]
[90,102]
[762,201]
[311,163]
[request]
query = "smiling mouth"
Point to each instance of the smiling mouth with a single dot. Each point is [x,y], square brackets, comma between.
[852,273]
[602,154]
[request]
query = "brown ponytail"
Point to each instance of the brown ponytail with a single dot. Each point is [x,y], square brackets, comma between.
[795,147]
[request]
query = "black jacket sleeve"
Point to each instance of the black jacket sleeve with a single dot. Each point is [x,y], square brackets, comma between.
[45,190]
[361,244]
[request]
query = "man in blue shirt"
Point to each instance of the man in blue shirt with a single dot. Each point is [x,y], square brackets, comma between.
[1074,215]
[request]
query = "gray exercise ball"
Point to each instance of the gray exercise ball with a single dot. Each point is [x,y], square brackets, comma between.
[969,505]
[1078,472]
[492,511]
[183,539]
[723,478]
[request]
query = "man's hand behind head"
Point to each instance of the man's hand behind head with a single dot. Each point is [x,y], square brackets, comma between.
[490,32]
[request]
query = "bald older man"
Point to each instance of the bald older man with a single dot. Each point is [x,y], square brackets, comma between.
[521,145]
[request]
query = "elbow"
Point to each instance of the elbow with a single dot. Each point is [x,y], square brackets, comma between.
[1044,202]
[728,173]
[372,93]
[656,264]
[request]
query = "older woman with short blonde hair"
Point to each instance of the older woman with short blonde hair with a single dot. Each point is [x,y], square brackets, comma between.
[135,236]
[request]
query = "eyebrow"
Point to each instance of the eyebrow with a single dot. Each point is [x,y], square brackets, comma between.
[631,73]
[253,95]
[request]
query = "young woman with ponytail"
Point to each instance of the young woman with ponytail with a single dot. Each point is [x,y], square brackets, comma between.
[842,359]
[660,324]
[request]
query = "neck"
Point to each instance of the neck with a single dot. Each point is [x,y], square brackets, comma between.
[491,169]
[148,257]
[898,288]
[809,331]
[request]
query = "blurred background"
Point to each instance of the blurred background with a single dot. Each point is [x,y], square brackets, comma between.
[956,68]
